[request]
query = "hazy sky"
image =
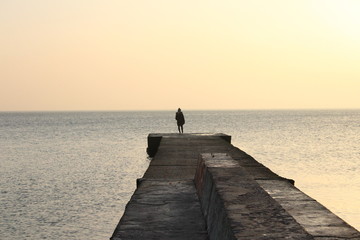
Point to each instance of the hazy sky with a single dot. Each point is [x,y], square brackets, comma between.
[149,55]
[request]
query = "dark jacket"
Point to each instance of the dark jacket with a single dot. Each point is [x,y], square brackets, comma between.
[180,118]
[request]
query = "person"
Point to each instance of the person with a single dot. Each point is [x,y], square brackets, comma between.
[180,120]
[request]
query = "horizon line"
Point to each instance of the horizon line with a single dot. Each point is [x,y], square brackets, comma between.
[168,110]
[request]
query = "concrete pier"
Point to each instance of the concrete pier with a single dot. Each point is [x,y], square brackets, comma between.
[199,186]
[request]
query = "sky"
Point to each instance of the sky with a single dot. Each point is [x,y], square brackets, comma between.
[162,54]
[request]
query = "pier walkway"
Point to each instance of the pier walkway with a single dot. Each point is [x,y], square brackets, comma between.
[199,186]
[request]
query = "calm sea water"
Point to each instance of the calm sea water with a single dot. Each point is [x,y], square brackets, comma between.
[70,174]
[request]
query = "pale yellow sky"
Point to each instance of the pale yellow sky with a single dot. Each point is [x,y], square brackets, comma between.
[154,55]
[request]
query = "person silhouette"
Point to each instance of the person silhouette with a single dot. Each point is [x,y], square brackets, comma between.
[180,120]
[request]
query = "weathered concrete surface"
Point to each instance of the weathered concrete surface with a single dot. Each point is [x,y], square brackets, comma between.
[257,170]
[162,210]
[311,215]
[165,204]
[236,207]
[155,138]
[177,154]
[240,197]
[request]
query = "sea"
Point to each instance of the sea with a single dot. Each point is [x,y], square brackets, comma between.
[69,175]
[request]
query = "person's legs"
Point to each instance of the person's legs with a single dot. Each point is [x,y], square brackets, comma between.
[182,129]
[179,128]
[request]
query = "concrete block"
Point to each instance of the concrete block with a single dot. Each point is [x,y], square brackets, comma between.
[236,207]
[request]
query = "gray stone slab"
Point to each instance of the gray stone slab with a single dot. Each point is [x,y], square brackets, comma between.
[170,172]
[261,173]
[169,156]
[252,212]
[183,140]
[160,235]
[193,148]
[174,161]
[236,207]
[317,220]
[162,210]
[243,158]
[311,215]
[257,170]
[283,191]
